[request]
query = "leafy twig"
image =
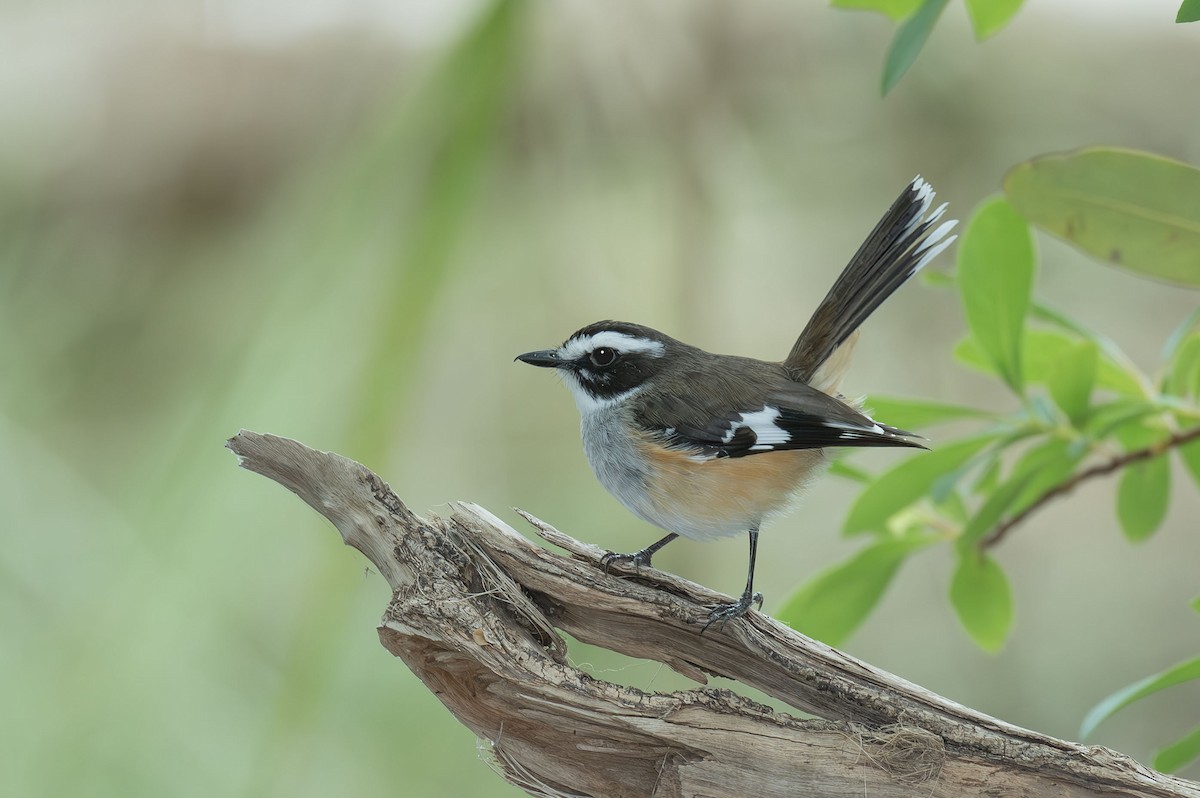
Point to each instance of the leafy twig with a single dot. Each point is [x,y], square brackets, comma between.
[1099,470]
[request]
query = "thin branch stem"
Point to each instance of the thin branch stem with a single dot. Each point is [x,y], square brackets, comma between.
[1114,464]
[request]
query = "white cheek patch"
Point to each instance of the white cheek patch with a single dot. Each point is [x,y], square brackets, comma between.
[578,347]
[589,404]
[767,434]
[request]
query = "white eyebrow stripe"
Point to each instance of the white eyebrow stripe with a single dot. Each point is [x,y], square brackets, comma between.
[622,342]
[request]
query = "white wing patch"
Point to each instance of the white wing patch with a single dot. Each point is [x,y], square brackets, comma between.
[767,434]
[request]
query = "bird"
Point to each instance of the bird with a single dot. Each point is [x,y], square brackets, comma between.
[708,446]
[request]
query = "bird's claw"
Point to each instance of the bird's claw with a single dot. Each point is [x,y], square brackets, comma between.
[637,559]
[724,613]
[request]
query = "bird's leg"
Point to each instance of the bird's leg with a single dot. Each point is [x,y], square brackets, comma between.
[638,558]
[723,613]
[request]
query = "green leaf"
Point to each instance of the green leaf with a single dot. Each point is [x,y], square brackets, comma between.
[1183,379]
[836,601]
[995,277]
[1189,453]
[1143,433]
[1142,497]
[1107,418]
[989,477]
[982,598]
[1041,411]
[1117,372]
[909,40]
[970,353]
[937,279]
[1046,466]
[1196,604]
[989,16]
[1042,353]
[988,463]
[906,483]
[896,9]
[1112,376]
[1178,334]
[1178,753]
[917,413]
[1038,470]
[953,507]
[1186,671]
[1189,11]
[1040,348]
[1072,380]
[1135,210]
[990,512]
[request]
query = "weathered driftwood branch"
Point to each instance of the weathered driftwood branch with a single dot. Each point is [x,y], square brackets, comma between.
[475,611]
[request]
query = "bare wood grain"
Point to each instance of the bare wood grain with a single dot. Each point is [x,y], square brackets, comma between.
[476,614]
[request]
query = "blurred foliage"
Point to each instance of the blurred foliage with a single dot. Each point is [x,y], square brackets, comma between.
[917,19]
[447,138]
[990,16]
[896,9]
[342,228]
[432,151]
[1135,210]
[910,38]
[369,228]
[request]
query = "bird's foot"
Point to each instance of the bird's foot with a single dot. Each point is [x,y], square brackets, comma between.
[724,613]
[637,559]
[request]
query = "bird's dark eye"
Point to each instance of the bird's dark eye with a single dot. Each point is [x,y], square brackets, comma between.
[603,356]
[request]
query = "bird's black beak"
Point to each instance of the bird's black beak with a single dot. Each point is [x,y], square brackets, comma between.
[546,358]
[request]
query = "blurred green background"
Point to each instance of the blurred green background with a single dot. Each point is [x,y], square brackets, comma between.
[340,222]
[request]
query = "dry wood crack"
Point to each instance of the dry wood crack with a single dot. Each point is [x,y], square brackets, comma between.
[476,613]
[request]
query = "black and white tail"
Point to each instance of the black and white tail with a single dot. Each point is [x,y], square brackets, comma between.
[902,243]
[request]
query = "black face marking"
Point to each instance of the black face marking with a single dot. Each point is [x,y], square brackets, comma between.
[608,370]
[622,372]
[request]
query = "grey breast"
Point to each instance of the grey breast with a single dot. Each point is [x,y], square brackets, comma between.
[614,458]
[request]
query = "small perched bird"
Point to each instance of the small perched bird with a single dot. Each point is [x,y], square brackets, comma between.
[707,446]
